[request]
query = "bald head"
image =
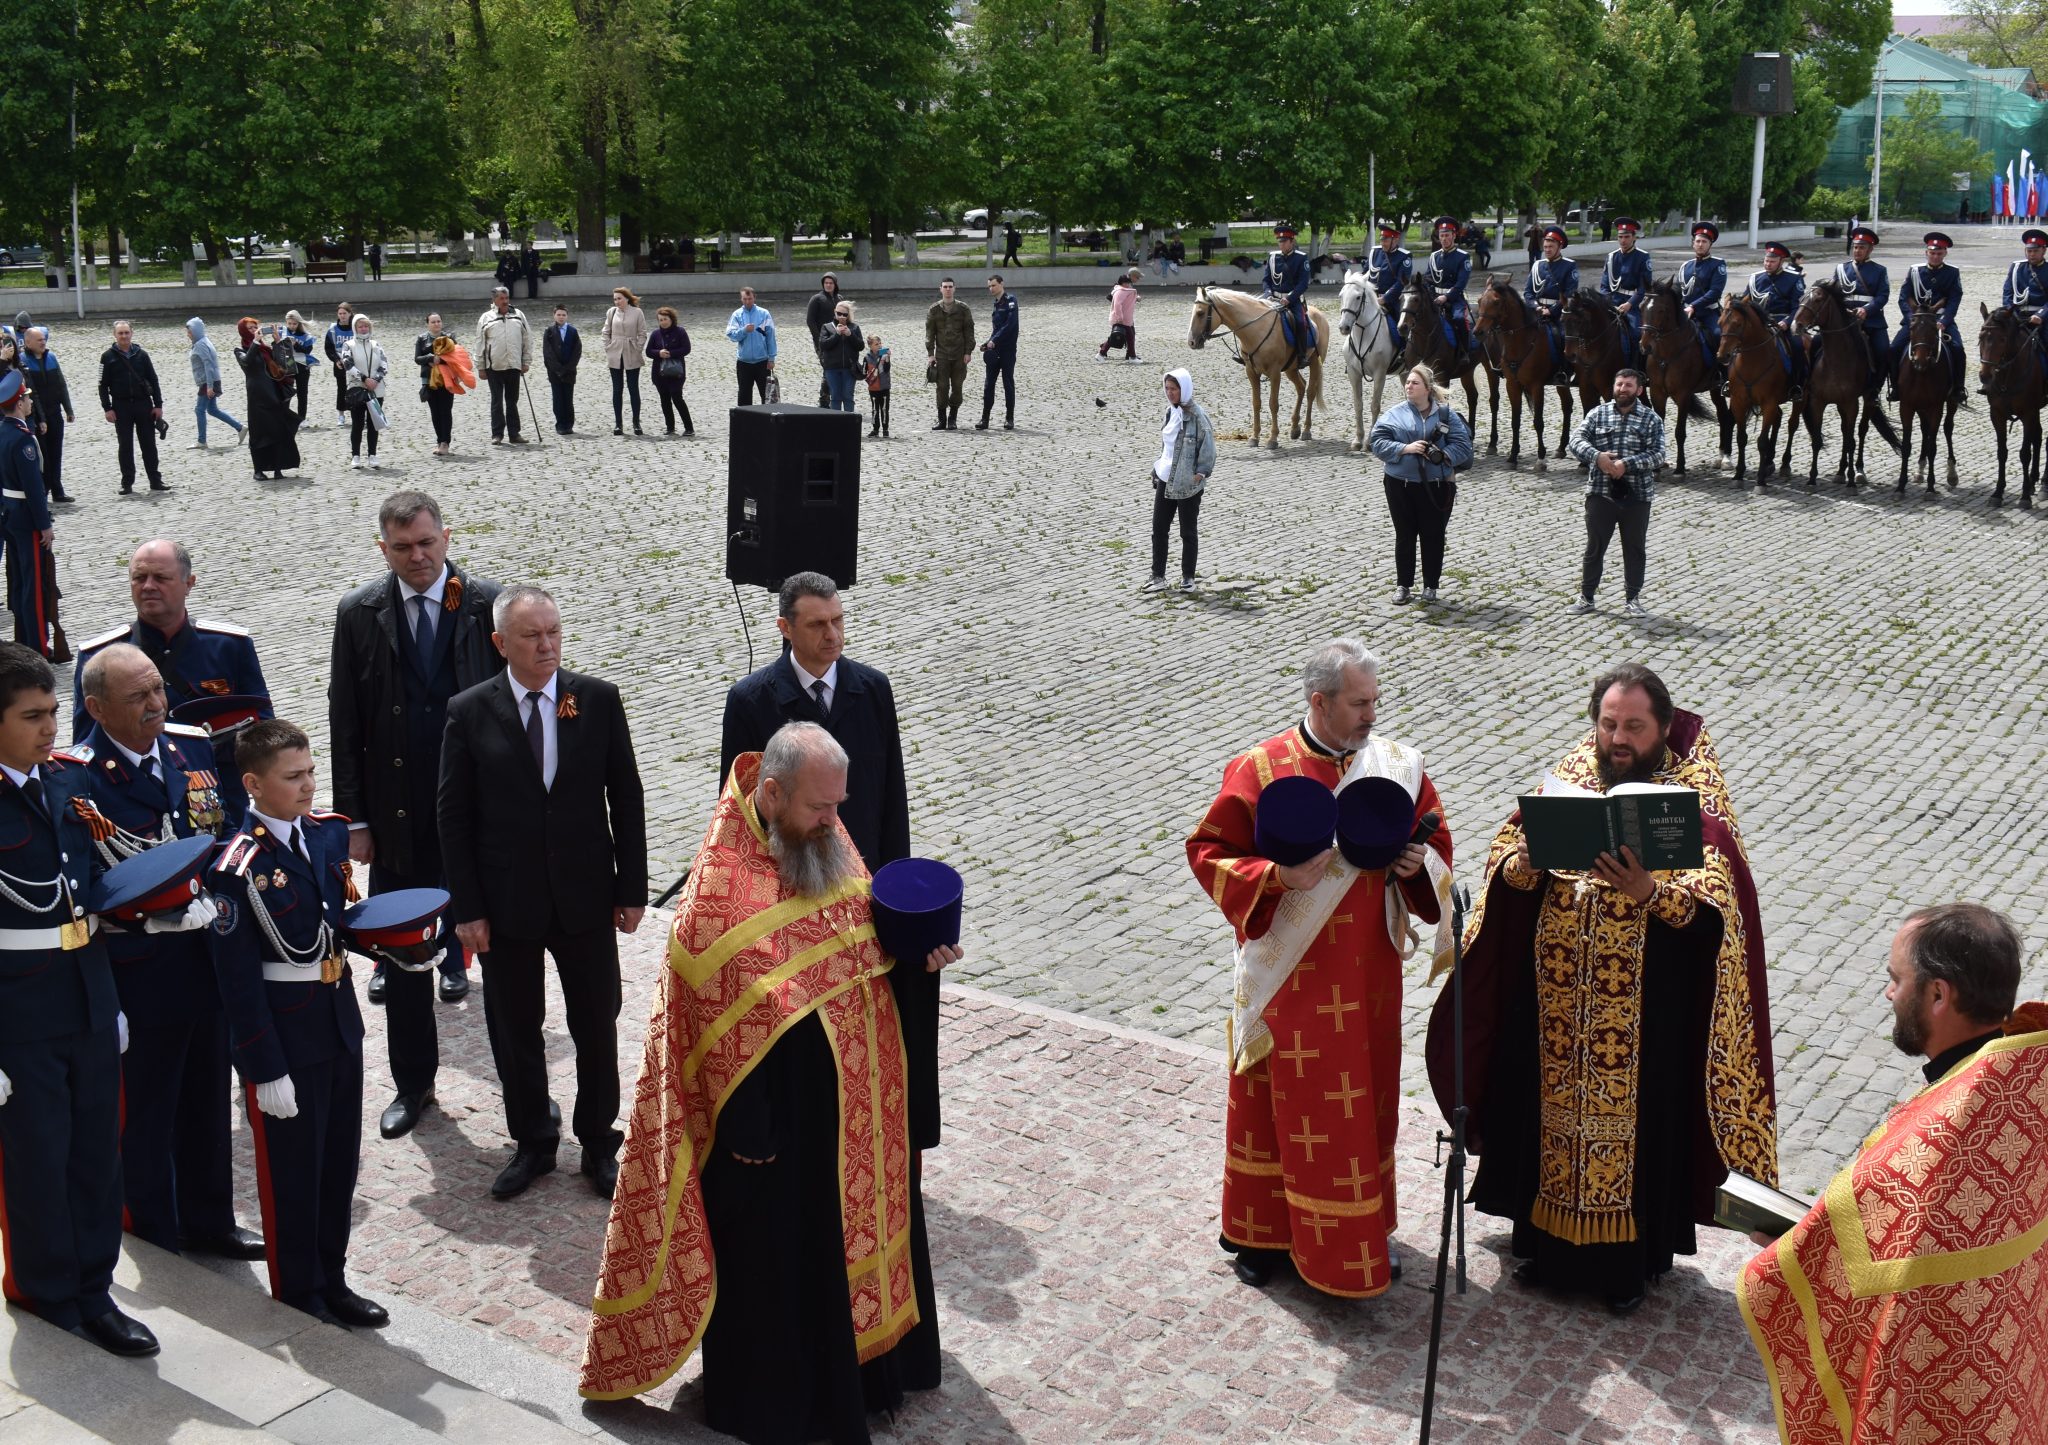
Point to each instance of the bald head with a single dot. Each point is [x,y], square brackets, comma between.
[124,694]
[160,580]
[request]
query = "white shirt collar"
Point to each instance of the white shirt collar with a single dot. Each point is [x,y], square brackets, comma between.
[135,759]
[806,681]
[20,779]
[520,689]
[432,594]
[279,828]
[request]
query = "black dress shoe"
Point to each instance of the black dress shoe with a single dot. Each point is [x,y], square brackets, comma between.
[1525,1274]
[1393,1262]
[517,1177]
[603,1174]
[1255,1270]
[352,1309]
[1625,1304]
[319,1311]
[115,1333]
[375,992]
[454,987]
[404,1112]
[237,1243]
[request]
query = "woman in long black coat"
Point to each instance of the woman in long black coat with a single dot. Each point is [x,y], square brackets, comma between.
[269,363]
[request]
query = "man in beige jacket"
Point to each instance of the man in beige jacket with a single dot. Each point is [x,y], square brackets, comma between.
[504,350]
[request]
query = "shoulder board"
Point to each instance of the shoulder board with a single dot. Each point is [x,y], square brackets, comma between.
[319,817]
[76,753]
[118,634]
[67,758]
[236,857]
[207,624]
[182,730]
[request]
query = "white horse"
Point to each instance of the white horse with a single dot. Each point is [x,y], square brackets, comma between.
[1370,347]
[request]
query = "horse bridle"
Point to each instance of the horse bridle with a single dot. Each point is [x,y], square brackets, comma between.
[1604,323]
[1743,303]
[1940,341]
[1994,374]
[1348,313]
[1494,338]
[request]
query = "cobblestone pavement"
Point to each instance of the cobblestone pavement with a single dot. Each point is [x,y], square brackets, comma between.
[1862,657]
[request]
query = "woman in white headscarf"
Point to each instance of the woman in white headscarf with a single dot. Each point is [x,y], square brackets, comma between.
[1187,455]
[366,369]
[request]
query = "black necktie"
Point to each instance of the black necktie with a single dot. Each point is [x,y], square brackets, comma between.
[33,789]
[423,627]
[299,845]
[818,692]
[536,734]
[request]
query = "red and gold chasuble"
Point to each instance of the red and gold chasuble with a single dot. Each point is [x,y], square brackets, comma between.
[1910,1307]
[1310,1160]
[747,960]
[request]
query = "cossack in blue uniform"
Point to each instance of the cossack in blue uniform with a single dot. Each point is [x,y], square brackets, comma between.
[60,1145]
[24,515]
[292,1012]
[1286,281]
[1866,286]
[1939,288]
[2026,284]
[1546,288]
[176,1160]
[1625,280]
[1702,284]
[1387,271]
[1445,273]
[1779,295]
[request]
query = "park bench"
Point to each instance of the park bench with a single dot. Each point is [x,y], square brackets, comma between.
[326,270]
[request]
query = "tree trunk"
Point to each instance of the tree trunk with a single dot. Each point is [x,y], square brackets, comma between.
[863,253]
[56,260]
[785,249]
[113,258]
[460,252]
[1052,239]
[878,241]
[910,247]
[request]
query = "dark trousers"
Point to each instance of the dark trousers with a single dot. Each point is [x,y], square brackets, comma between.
[1010,256]
[564,390]
[1422,514]
[1603,515]
[176,1166]
[1164,510]
[673,405]
[359,423]
[133,424]
[999,364]
[533,286]
[60,1174]
[25,563]
[441,408]
[623,380]
[1124,338]
[52,439]
[878,412]
[306,1176]
[301,378]
[504,402]
[340,387]
[515,1013]
[409,997]
[753,374]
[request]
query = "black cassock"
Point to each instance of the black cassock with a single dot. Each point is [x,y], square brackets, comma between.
[273,424]
[780,1365]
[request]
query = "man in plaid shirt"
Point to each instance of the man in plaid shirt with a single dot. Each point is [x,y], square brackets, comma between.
[1621,443]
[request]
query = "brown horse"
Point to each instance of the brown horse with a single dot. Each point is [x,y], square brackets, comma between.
[1518,348]
[1842,378]
[1593,345]
[1925,397]
[1757,382]
[1423,321]
[1267,354]
[1675,360]
[2009,357]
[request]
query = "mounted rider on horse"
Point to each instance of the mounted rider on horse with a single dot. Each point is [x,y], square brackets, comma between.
[1939,286]
[1286,284]
[1625,280]
[1445,273]
[1701,284]
[1387,271]
[1865,285]
[1553,277]
[1777,292]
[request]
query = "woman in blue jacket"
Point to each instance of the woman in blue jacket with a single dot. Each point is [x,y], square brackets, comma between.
[1424,445]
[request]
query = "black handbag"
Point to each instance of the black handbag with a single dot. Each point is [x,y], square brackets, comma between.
[356,398]
[670,368]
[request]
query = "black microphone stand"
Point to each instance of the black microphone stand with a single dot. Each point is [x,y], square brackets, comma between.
[1454,1166]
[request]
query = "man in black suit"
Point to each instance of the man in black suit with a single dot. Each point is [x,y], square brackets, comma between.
[404,646]
[544,832]
[561,348]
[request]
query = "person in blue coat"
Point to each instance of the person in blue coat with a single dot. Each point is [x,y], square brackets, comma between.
[1938,285]
[1702,281]
[1778,291]
[999,356]
[1625,280]
[280,885]
[153,781]
[61,1033]
[1445,272]
[1865,285]
[2026,284]
[1387,271]
[25,518]
[1553,278]
[1286,281]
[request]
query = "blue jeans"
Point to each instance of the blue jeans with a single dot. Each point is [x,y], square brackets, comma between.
[839,388]
[211,404]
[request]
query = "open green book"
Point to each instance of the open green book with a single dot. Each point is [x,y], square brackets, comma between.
[1569,827]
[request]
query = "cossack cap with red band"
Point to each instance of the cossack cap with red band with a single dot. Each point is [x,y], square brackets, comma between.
[1628,226]
[1934,239]
[157,881]
[1557,234]
[1708,229]
[1863,233]
[1284,230]
[220,714]
[1778,249]
[405,922]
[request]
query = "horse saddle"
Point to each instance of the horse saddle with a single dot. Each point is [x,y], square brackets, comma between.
[1287,328]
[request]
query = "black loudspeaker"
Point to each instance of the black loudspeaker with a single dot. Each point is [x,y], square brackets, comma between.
[792,494]
[1763,84]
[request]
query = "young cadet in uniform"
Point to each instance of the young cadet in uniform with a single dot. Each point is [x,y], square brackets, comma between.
[1865,285]
[2026,284]
[1778,291]
[1625,280]
[1940,285]
[1552,278]
[1387,271]
[60,1034]
[281,884]
[1446,272]
[1286,282]
[1701,282]
[25,505]
[152,781]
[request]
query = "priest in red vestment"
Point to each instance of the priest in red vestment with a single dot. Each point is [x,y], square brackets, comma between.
[1315,1028]
[1617,1034]
[1911,1303]
[768,1203]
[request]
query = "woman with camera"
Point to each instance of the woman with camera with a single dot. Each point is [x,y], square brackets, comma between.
[840,345]
[1424,444]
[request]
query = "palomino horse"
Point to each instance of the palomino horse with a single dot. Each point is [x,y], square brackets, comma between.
[1924,396]
[1369,349]
[1518,348]
[1429,346]
[1757,382]
[1267,354]
[1675,360]
[1841,377]
[2009,353]
[1593,345]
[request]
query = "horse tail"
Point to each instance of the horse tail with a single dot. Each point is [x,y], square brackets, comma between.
[1882,425]
[1696,409]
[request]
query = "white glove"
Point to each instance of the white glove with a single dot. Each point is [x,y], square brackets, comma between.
[6,1088]
[278,1098]
[121,1030]
[429,966]
[198,914]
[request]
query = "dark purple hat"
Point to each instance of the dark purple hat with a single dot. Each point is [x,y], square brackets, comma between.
[403,924]
[917,908]
[159,880]
[1375,819]
[1295,821]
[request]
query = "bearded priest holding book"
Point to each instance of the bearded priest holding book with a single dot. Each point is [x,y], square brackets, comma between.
[1315,1027]
[1617,1032]
[768,1203]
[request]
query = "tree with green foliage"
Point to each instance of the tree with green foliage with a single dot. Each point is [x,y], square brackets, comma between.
[1478,125]
[1922,156]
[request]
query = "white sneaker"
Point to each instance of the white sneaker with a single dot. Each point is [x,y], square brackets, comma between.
[1156,583]
[242,437]
[341,420]
[1403,596]
[355,464]
[1429,594]
[195,446]
[372,463]
[1635,608]
[1187,584]
[1583,605]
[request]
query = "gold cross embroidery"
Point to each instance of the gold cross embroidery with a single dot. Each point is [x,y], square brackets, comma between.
[1356,1181]
[1345,1094]
[1337,1007]
[1308,1139]
[1366,1262]
[1319,1223]
[1340,918]
[1248,1228]
[1296,1054]
[1246,1152]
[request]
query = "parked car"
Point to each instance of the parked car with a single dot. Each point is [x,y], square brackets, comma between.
[977,219]
[22,255]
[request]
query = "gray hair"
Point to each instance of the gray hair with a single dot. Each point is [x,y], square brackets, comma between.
[796,745]
[1324,671]
[511,597]
[179,551]
[501,290]
[93,679]
[799,585]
